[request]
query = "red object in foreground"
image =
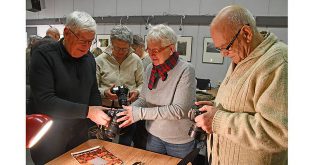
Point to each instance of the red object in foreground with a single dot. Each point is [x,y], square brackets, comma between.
[36,127]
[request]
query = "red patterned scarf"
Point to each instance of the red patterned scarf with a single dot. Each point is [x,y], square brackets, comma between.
[162,69]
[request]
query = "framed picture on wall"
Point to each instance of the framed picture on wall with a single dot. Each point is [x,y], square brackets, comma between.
[184,47]
[103,41]
[210,54]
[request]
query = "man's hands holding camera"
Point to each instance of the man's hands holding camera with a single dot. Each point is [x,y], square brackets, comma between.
[205,120]
[97,115]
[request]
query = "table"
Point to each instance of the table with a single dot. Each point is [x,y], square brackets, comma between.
[128,155]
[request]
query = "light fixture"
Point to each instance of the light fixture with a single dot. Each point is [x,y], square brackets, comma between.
[36,127]
[180,27]
[120,21]
[146,24]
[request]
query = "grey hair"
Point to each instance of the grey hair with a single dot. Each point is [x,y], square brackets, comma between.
[238,16]
[138,40]
[121,32]
[32,40]
[162,33]
[79,20]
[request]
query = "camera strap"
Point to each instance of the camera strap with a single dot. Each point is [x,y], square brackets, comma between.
[189,157]
[192,155]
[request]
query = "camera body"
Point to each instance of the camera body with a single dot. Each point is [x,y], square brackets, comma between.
[122,93]
[113,129]
[194,131]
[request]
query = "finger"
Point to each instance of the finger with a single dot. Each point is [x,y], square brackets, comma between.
[124,113]
[104,116]
[204,128]
[204,108]
[122,119]
[203,103]
[198,118]
[104,108]
[106,125]
[131,97]
[124,124]
[102,122]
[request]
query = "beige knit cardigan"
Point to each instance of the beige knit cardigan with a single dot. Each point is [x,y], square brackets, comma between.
[251,126]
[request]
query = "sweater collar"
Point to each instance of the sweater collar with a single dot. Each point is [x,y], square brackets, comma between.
[269,40]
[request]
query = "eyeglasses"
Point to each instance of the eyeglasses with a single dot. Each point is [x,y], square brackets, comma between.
[82,42]
[231,42]
[156,51]
[118,49]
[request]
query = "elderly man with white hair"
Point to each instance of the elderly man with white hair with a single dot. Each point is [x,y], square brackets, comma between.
[64,86]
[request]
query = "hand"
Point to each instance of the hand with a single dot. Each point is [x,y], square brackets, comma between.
[109,95]
[96,114]
[133,96]
[127,116]
[205,120]
[204,103]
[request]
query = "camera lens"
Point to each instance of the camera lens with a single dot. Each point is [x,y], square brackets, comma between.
[112,130]
[197,133]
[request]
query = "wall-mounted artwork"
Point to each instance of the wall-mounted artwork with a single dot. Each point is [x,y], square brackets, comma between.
[210,54]
[184,47]
[103,40]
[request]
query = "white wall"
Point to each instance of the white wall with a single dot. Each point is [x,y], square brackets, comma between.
[215,72]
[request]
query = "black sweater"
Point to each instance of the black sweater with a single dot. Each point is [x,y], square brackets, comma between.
[62,86]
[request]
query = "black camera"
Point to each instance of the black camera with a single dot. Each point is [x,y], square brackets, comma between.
[109,132]
[121,92]
[113,129]
[194,131]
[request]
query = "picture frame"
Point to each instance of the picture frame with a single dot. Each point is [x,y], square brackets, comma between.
[184,47]
[210,54]
[103,40]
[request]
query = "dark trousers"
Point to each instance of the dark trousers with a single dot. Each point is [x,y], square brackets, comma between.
[140,136]
[126,135]
[59,139]
[135,133]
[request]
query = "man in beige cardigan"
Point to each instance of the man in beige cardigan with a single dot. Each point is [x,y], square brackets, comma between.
[247,123]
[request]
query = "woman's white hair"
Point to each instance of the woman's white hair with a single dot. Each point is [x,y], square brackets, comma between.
[79,20]
[162,33]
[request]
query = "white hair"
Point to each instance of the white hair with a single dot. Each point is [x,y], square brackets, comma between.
[79,20]
[162,33]
[237,16]
[121,32]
